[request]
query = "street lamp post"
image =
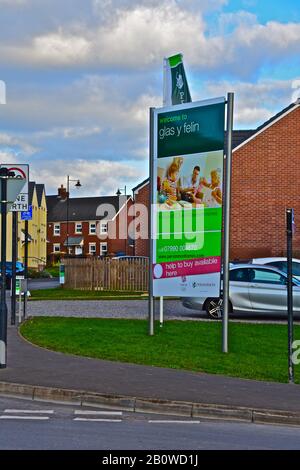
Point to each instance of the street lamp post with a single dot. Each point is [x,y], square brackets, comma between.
[77,185]
[119,193]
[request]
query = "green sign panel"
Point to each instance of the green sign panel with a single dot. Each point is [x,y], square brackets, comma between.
[192,130]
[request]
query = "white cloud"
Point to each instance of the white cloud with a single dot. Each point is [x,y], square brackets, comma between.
[60,49]
[13,142]
[254,102]
[100,177]
[13,2]
[68,132]
[139,37]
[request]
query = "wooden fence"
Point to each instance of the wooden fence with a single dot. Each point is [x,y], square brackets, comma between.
[106,274]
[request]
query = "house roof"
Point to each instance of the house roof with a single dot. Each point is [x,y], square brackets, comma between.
[81,208]
[73,241]
[270,122]
[31,186]
[140,185]
[277,116]
[40,189]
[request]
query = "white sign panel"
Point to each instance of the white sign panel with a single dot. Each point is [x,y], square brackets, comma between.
[22,172]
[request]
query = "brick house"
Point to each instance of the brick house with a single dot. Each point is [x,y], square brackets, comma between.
[265,181]
[91,232]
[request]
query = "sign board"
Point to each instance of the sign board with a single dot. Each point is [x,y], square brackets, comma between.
[18,286]
[61,273]
[27,215]
[188,154]
[14,186]
[20,201]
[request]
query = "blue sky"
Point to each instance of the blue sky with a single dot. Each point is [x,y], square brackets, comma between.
[82,74]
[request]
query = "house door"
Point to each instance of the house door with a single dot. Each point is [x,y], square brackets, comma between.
[78,250]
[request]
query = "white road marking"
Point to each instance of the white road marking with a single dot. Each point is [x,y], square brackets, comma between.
[37,418]
[171,421]
[98,413]
[99,420]
[45,412]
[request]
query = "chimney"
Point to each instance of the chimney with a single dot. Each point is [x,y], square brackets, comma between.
[62,192]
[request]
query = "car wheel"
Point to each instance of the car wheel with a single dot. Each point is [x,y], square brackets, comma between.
[213,308]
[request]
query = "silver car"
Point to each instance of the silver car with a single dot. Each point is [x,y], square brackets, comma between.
[252,288]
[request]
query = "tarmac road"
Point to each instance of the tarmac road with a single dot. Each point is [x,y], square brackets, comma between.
[48,426]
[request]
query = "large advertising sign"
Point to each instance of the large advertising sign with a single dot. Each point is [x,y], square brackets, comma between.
[187,183]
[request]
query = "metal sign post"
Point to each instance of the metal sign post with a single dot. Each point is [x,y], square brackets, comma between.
[3,307]
[14,261]
[10,187]
[25,270]
[26,215]
[289,235]
[150,230]
[226,246]
[161,311]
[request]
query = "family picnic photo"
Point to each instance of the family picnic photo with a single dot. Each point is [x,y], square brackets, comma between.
[190,181]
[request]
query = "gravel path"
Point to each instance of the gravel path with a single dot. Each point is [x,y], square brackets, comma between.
[173,309]
[107,309]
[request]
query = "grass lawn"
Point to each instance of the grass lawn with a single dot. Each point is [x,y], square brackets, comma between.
[256,351]
[75,294]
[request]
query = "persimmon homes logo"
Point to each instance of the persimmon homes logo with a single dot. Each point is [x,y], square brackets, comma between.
[2,92]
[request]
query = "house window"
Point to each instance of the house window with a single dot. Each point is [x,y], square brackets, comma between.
[56,247]
[56,230]
[92,248]
[92,228]
[103,228]
[103,249]
[78,227]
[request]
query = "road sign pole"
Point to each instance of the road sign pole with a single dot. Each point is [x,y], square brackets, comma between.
[289,235]
[150,228]
[14,261]
[3,306]
[226,253]
[25,269]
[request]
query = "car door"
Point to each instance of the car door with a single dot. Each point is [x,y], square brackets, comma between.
[239,288]
[267,290]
